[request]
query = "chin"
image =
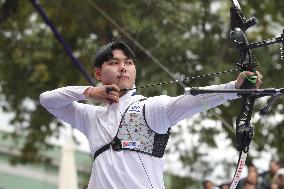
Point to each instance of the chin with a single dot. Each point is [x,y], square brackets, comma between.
[125,86]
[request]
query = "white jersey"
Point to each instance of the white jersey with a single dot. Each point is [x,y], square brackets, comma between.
[126,169]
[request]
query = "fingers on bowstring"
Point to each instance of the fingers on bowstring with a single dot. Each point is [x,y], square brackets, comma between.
[115,87]
[113,96]
[112,93]
[111,88]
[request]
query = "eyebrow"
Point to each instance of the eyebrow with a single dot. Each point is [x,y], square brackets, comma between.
[121,58]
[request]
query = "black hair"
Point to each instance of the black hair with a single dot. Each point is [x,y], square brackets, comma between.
[104,53]
[205,182]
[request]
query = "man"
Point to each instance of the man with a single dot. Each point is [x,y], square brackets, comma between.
[279,178]
[267,176]
[129,134]
[252,179]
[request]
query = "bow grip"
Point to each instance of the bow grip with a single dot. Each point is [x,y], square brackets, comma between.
[250,82]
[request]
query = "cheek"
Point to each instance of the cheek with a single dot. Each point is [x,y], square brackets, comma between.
[133,74]
[108,76]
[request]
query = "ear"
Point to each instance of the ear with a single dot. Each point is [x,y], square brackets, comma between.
[97,72]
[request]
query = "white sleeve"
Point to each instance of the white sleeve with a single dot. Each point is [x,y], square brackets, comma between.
[187,105]
[63,104]
[163,112]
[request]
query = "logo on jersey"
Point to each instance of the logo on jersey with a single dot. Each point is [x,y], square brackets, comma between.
[130,144]
[135,109]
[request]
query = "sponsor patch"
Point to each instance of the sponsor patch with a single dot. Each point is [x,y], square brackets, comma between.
[130,144]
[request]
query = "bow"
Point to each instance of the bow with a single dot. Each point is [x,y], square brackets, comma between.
[244,130]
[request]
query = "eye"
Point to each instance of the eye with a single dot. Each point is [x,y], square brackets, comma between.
[129,62]
[113,62]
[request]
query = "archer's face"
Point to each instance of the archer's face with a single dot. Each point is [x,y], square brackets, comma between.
[119,70]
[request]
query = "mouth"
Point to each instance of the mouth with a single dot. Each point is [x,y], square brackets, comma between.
[123,76]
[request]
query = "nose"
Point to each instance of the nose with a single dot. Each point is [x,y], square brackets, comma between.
[123,69]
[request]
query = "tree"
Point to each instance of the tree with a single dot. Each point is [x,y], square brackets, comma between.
[189,38]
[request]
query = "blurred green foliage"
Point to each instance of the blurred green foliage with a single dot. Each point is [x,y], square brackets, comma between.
[188,37]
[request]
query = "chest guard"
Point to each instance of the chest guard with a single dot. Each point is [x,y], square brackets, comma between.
[134,134]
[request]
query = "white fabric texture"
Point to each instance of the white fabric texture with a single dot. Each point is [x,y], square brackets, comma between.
[123,169]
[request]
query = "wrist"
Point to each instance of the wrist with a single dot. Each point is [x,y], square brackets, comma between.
[88,92]
[91,92]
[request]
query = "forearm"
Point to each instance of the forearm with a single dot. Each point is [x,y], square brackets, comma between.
[62,102]
[62,97]
[187,105]
[227,96]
